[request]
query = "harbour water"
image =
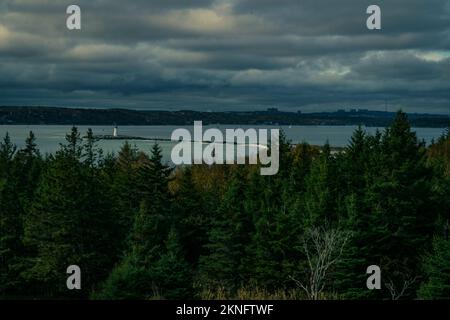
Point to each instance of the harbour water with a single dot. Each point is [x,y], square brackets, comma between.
[49,137]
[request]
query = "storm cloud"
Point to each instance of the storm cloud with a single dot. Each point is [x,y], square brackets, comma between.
[308,55]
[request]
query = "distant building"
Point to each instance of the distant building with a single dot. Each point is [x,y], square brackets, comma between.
[115,131]
[272,110]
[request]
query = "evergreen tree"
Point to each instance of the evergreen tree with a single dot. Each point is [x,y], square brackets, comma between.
[190,217]
[139,232]
[270,257]
[131,278]
[356,174]
[125,282]
[389,210]
[273,249]
[7,151]
[437,271]
[27,167]
[401,197]
[171,274]
[69,223]
[148,234]
[91,154]
[228,238]
[320,192]
[10,220]
[123,178]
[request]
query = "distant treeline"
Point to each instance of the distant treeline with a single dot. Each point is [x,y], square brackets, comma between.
[71,116]
[141,230]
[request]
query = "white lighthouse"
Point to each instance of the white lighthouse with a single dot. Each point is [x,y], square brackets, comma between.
[115,132]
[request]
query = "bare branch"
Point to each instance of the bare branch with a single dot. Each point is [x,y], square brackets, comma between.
[323,249]
[407,283]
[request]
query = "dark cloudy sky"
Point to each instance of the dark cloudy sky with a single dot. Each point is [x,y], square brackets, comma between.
[226,54]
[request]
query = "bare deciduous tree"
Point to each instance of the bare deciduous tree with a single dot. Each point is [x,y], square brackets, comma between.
[397,294]
[323,249]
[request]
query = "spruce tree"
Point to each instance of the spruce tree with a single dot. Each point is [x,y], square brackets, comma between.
[389,211]
[190,217]
[131,277]
[172,274]
[320,192]
[355,173]
[437,271]
[69,223]
[123,178]
[28,165]
[228,238]
[11,233]
[401,198]
[145,245]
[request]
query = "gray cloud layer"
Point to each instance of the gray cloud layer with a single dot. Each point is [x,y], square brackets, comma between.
[226,54]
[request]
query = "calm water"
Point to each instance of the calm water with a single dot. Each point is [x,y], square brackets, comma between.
[49,137]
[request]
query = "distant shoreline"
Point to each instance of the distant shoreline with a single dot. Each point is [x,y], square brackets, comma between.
[272,117]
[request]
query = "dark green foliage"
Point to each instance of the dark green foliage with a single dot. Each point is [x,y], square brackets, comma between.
[69,223]
[273,249]
[437,271]
[389,209]
[228,237]
[131,278]
[125,282]
[147,236]
[140,230]
[122,177]
[400,197]
[145,245]
[28,165]
[320,194]
[11,230]
[190,217]
[171,274]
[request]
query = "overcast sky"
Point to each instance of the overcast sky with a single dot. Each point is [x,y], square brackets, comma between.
[309,55]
